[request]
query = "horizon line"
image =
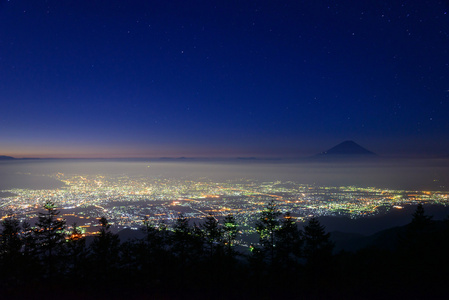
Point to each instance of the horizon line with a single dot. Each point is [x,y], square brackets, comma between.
[9,157]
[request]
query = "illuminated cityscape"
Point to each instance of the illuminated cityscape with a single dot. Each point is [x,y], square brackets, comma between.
[126,201]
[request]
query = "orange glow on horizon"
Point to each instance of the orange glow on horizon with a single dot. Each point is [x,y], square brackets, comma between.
[115,153]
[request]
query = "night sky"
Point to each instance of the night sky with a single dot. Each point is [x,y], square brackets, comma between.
[227,78]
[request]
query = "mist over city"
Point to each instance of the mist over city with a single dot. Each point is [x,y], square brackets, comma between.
[419,174]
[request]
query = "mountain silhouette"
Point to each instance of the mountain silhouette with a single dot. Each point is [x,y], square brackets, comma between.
[4,157]
[347,148]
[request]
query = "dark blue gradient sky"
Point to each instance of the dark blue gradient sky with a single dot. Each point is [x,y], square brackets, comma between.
[223,78]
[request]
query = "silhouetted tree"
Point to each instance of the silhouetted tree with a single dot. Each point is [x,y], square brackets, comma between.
[418,231]
[197,241]
[186,241]
[289,242]
[419,219]
[11,243]
[266,227]
[29,241]
[10,250]
[318,253]
[50,235]
[156,237]
[105,246]
[317,245]
[213,234]
[76,251]
[230,231]
[153,253]
[181,237]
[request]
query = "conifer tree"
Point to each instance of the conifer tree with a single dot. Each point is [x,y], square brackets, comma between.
[266,226]
[196,241]
[11,243]
[29,241]
[105,246]
[156,237]
[318,253]
[187,241]
[419,219]
[289,241]
[75,249]
[317,245]
[152,252]
[10,249]
[212,233]
[50,235]
[180,237]
[230,231]
[418,233]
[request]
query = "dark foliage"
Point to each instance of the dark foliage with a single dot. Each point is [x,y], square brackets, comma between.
[49,235]
[267,227]
[195,262]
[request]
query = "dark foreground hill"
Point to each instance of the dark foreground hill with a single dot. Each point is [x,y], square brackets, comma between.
[385,239]
[195,262]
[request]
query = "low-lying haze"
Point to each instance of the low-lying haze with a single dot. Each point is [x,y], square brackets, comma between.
[394,174]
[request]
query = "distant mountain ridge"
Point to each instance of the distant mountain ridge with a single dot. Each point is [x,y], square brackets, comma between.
[347,148]
[4,157]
